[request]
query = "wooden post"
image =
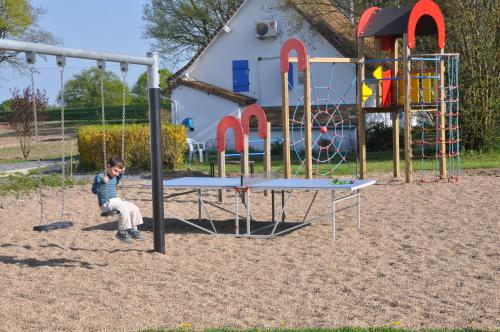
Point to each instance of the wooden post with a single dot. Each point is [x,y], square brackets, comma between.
[308,120]
[285,123]
[378,86]
[221,172]
[244,161]
[267,153]
[359,106]
[395,115]
[442,120]
[407,109]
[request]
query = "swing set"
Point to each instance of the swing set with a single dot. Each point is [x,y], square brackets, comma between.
[152,62]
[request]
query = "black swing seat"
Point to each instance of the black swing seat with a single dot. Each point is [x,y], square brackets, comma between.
[53,226]
[109,213]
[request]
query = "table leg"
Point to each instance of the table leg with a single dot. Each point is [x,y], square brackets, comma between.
[333,217]
[247,197]
[272,204]
[359,209]
[283,215]
[236,217]
[199,204]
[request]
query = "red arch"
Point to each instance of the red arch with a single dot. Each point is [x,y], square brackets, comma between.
[258,112]
[298,46]
[422,8]
[225,123]
[365,19]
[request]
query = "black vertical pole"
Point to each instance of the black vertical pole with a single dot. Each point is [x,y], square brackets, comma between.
[156,154]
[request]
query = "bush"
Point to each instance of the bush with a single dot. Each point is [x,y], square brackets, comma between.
[277,148]
[379,137]
[137,145]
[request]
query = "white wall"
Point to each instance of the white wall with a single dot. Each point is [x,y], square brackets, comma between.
[214,66]
[206,110]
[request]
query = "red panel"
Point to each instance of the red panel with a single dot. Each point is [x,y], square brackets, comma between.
[225,123]
[298,46]
[386,89]
[258,112]
[387,43]
[422,8]
[365,19]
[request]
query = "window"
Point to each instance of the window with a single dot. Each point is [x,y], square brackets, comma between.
[241,81]
[293,71]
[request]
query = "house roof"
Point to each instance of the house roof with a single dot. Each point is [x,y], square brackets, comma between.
[330,23]
[327,20]
[238,98]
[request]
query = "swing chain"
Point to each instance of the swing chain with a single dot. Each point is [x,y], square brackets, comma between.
[37,141]
[124,68]
[63,159]
[101,70]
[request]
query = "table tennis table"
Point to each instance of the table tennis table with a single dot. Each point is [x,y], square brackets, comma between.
[244,186]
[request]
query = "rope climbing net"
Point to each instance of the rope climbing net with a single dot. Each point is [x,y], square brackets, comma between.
[437,114]
[333,119]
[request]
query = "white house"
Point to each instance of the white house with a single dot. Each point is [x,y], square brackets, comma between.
[241,66]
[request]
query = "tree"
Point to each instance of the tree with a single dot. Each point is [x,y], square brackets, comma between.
[85,89]
[19,20]
[471,31]
[140,88]
[21,118]
[183,27]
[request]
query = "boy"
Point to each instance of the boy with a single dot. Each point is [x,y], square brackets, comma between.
[104,187]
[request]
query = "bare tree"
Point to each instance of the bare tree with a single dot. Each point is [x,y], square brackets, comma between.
[181,28]
[21,118]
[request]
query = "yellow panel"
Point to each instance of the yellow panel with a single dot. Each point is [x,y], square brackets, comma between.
[414,91]
[428,85]
[366,92]
[378,73]
[415,86]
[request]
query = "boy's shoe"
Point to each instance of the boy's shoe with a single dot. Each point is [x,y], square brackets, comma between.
[124,237]
[136,235]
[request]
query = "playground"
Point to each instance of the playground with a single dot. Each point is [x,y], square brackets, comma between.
[426,255]
[416,250]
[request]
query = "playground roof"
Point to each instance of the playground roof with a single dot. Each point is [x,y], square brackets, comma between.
[394,22]
[421,19]
[388,22]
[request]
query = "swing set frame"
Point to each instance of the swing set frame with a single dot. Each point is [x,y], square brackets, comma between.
[152,61]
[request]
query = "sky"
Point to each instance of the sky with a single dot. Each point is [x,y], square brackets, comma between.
[113,26]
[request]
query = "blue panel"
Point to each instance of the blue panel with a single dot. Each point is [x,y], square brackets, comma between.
[290,75]
[241,80]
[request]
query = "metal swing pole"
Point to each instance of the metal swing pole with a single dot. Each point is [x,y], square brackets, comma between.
[156,153]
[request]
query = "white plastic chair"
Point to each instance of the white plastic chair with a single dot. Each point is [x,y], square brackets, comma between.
[194,147]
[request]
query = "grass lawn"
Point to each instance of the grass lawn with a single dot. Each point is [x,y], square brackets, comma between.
[19,184]
[48,150]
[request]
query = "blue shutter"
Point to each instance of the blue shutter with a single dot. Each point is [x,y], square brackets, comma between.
[241,82]
[290,75]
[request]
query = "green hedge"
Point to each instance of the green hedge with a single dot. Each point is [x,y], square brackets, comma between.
[137,145]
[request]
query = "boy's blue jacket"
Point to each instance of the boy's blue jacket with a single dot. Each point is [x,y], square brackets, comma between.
[99,188]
